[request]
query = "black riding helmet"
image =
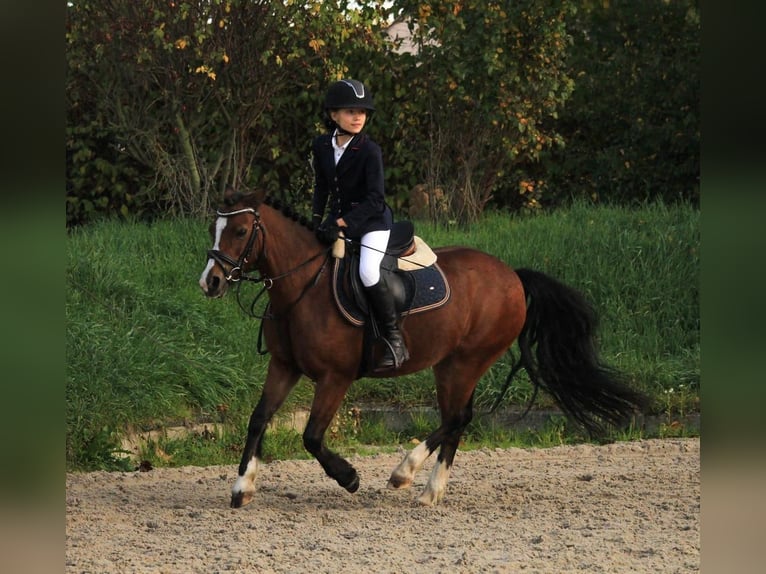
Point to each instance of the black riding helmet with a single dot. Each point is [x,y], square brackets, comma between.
[346,94]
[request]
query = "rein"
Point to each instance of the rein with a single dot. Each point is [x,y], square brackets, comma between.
[268,283]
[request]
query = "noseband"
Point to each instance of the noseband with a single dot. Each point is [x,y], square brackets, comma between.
[236,273]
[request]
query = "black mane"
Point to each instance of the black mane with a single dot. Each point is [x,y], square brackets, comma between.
[274,202]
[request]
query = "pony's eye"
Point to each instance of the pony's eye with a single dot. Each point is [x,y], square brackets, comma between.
[241,232]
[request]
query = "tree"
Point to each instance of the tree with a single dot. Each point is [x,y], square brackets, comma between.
[194,96]
[632,126]
[480,92]
[512,104]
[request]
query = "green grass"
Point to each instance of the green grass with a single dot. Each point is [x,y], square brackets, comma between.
[145,349]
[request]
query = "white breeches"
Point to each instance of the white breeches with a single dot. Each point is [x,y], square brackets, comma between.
[374,246]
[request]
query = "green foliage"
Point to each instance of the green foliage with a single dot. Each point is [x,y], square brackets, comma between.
[486,80]
[137,336]
[518,105]
[146,350]
[554,432]
[208,446]
[632,125]
[640,268]
[100,178]
[194,96]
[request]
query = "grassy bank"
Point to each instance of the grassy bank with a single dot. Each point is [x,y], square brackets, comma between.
[145,348]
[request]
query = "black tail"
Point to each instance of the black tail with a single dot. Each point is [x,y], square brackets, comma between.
[558,352]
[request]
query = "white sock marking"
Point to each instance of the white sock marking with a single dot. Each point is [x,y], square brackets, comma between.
[437,484]
[246,482]
[412,463]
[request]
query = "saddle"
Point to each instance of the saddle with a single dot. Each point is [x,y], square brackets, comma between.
[410,269]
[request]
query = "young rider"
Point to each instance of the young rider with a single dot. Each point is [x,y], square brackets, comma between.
[348,168]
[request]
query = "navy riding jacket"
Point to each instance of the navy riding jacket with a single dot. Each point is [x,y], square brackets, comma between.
[354,187]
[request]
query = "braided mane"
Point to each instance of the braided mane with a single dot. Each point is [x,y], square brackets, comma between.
[274,202]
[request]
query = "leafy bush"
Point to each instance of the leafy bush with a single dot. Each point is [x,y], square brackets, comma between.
[632,125]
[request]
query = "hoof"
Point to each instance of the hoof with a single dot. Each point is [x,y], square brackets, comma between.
[240,499]
[427,499]
[398,483]
[430,498]
[353,486]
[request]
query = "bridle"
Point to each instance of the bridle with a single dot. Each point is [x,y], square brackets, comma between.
[236,273]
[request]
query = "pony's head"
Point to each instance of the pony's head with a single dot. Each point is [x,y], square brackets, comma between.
[237,241]
[239,238]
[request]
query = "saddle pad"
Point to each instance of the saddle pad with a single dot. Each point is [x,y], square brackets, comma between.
[422,257]
[424,289]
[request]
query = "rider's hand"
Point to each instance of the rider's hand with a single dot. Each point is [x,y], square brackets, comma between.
[327,233]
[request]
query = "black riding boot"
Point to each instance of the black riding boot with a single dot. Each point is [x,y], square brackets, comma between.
[385,312]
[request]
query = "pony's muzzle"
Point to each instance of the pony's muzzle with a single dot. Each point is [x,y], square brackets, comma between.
[212,282]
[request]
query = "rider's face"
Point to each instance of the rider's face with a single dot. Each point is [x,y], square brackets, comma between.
[350,120]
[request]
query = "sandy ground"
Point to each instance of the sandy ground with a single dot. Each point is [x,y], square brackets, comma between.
[624,507]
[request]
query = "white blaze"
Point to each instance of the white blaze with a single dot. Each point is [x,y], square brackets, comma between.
[220,225]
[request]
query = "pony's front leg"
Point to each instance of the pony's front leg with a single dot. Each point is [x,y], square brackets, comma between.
[327,399]
[280,380]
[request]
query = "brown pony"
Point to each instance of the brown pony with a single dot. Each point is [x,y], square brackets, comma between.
[490,307]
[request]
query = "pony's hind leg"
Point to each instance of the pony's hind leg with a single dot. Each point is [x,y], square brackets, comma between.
[404,474]
[280,380]
[456,380]
[453,424]
[446,439]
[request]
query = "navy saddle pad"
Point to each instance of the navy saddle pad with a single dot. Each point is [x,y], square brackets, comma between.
[414,291]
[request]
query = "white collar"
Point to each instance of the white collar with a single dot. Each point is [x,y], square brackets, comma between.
[339,149]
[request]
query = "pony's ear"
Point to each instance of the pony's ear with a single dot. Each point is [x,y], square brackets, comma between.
[260,195]
[228,193]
